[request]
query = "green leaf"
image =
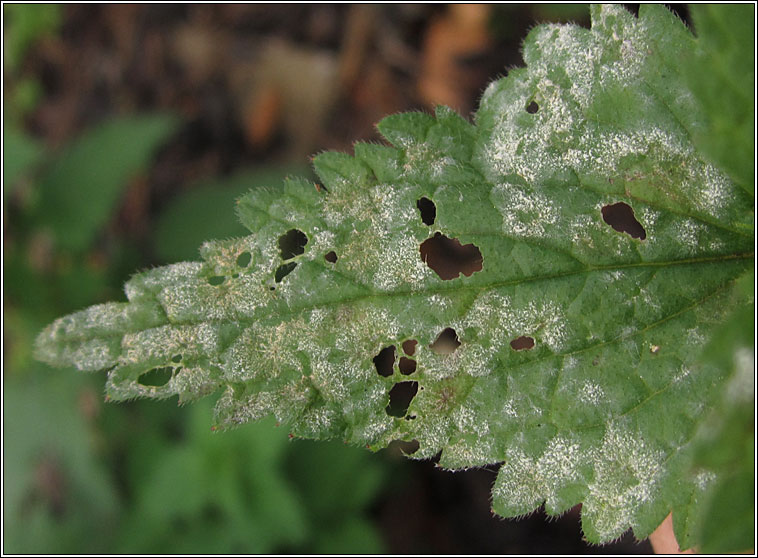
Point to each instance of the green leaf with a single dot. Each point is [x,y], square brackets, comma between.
[27,24]
[725,442]
[722,79]
[20,154]
[85,182]
[589,250]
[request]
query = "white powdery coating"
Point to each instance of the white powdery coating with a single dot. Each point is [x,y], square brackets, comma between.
[266,349]
[166,341]
[703,479]
[158,278]
[710,189]
[323,241]
[626,474]
[400,264]
[524,214]
[741,386]
[523,482]
[95,354]
[497,315]
[591,393]
[469,422]
[236,297]
[382,254]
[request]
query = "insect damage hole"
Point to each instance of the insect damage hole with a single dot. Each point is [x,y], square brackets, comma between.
[448,258]
[407,366]
[428,211]
[532,107]
[385,361]
[283,270]
[620,216]
[331,257]
[216,280]
[156,377]
[403,447]
[446,343]
[409,346]
[243,260]
[401,396]
[522,343]
[292,243]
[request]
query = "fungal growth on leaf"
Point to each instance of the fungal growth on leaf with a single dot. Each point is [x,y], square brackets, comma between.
[538,358]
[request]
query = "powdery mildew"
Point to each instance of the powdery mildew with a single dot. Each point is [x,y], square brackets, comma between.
[278,349]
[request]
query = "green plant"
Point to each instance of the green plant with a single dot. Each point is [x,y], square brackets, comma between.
[534,289]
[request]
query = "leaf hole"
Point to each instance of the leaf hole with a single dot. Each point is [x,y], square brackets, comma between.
[408,448]
[216,280]
[331,257]
[401,396]
[292,243]
[409,346]
[244,259]
[283,270]
[428,211]
[448,258]
[385,361]
[532,107]
[407,365]
[446,343]
[176,358]
[621,217]
[522,343]
[156,377]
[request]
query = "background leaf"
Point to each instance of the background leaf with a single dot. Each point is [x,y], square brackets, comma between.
[726,55]
[83,185]
[207,211]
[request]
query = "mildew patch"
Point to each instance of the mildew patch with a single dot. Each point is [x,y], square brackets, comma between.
[523,481]
[626,475]
[525,213]
[591,393]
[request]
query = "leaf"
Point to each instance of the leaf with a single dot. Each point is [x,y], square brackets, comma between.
[593,252]
[28,23]
[84,183]
[725,441]
[20,154]
[726,54]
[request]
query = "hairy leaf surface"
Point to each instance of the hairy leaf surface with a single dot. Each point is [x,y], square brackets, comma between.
[592,251]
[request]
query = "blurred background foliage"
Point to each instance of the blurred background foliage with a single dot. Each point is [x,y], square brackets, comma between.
[128,133]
